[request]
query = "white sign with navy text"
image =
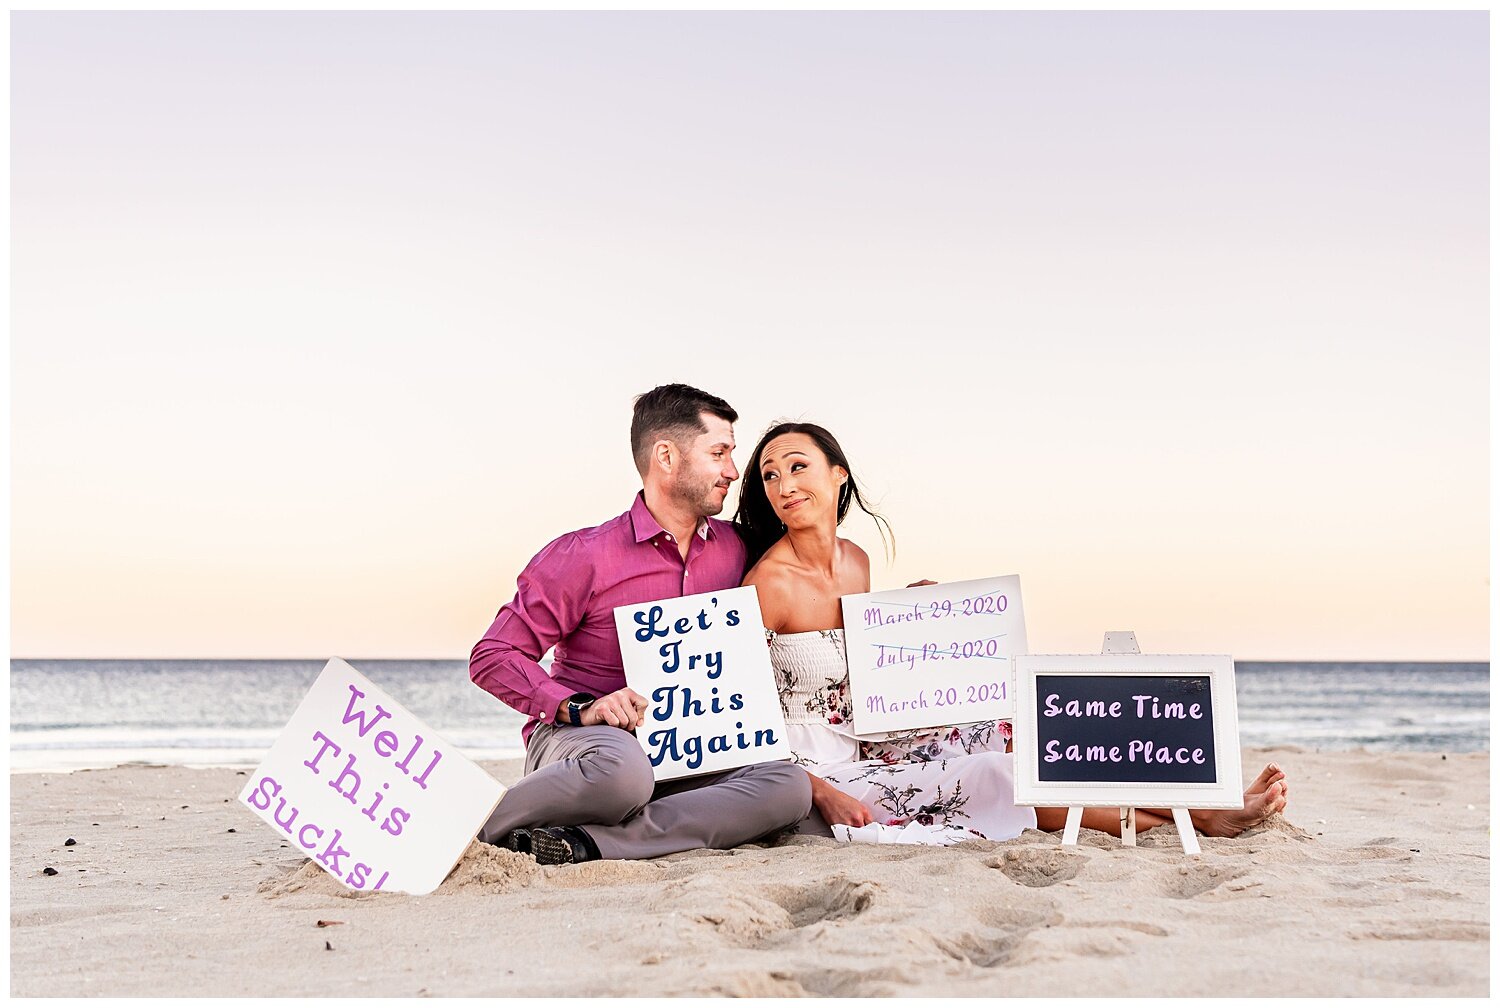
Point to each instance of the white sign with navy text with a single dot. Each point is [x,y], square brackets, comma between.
[702,664]
[370,793]
[933,655]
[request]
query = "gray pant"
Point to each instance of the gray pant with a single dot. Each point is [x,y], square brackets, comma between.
[599,778]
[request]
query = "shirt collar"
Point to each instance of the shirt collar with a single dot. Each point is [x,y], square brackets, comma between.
[646,526]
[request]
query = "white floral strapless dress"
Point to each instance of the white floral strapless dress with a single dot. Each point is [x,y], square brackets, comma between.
[932,785]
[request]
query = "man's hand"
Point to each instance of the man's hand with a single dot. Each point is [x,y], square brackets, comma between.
[624,709]
[836,807]
[921,584]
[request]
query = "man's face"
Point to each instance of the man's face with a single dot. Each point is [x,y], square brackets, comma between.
[707,469]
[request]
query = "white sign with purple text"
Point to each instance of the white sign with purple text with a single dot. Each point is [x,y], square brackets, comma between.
[372,794]
[702,664]
[933,655]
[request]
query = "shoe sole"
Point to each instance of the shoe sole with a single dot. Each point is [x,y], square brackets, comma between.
[550,850]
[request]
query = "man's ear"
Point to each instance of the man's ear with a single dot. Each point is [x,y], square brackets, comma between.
[664,456]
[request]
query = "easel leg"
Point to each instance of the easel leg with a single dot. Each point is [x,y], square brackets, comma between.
[1185,831]
[1127,827]
[1070,828]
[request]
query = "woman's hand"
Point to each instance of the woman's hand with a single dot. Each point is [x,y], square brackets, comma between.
[837,808]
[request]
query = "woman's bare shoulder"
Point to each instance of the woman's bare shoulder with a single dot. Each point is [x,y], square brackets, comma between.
[773,580]
[858,562]
[769,568]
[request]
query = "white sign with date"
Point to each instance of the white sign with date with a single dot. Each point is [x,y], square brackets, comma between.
[934,655]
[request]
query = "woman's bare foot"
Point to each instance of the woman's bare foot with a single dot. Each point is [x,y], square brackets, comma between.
[1270,775]
[1266,796]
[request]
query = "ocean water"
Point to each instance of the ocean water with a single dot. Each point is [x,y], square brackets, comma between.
[70,714]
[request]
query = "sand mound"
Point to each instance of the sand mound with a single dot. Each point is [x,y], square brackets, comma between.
[486,868]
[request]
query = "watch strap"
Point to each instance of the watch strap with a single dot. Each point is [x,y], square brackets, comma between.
[575,706]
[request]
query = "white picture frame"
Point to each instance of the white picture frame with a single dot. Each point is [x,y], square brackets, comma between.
[1030,735]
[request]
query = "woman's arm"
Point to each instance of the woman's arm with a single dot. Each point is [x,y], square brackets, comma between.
[836,807]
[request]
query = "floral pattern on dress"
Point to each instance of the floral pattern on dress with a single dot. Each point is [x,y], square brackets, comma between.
[957,779]
[802,761]
[923,745]
[898,797]
[831,704]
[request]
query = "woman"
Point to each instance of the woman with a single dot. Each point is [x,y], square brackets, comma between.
[933,786]
[936,785]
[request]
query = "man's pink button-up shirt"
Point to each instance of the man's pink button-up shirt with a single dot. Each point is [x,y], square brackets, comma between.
[565,599]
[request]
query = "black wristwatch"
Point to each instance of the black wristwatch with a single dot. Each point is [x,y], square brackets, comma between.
[576,704]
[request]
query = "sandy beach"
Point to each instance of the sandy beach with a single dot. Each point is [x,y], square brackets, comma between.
[1375,883]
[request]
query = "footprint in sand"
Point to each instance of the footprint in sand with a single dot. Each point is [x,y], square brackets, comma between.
[765,913]
[834,899]
[1037,868]
[1189,881]
[1004,930]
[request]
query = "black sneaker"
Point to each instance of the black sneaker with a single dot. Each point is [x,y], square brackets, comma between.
[518,840]
[553,845]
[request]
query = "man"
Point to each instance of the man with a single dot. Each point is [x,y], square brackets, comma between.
[588,790]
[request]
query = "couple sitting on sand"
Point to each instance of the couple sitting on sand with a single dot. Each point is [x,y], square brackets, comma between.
[588,791]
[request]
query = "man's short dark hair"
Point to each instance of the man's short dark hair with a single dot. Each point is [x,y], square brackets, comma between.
[672,412]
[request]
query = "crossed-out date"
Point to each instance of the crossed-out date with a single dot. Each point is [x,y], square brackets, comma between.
[980,605]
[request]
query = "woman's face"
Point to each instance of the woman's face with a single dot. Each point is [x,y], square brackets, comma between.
[800,484]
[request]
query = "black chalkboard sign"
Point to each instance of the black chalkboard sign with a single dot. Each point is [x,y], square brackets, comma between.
[1149,729]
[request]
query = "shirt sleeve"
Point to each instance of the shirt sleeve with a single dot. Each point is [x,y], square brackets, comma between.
[552,596]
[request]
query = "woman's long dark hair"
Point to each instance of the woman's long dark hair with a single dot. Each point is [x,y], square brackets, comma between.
[756,520]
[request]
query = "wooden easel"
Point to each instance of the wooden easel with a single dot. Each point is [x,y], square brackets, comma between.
[1123,642]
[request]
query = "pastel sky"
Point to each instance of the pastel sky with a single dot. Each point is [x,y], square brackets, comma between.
[323,324]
